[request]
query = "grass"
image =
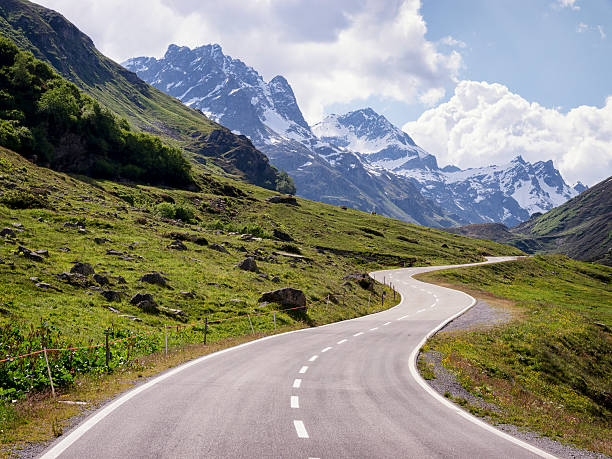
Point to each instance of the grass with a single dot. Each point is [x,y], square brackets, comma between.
[550,368]
[125,218]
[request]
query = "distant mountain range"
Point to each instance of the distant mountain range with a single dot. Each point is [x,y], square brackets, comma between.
[580,228]
[358,159]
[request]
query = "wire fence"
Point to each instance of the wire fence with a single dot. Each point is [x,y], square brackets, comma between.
[167,331]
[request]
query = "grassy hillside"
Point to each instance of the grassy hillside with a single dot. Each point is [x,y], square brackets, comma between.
[53,39]
[550,368]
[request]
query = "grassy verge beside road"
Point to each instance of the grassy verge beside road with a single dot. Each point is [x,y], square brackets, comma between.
[549,369]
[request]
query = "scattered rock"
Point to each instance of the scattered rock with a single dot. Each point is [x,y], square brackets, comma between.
[120,279]
[289,297]
[187,294]
[113,252]
[101,240]
[248,264]
[276,279]
[264,276]
[174,313]
[83,231]
[29,254]
[82,268]
[112,295]
[43,252]
[218,248]
[281,235]
[154,278]
[75,279]
[134,318]
[45,285]
[242,249]
[65,249]
[17,225]
[177,245]
[363,279]
[111,309]
[7,232]
[444,246]
[283,200]
[100,279]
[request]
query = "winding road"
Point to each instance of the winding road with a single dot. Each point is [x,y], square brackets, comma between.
[348,389]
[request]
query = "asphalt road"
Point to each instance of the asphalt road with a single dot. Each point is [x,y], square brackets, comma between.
[343,390]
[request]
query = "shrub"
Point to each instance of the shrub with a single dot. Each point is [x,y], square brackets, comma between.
[165,210]
[285,184]
[23,200]
[184,213]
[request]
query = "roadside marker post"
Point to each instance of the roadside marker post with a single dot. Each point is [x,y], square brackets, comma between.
[166,339]
[251,324]
[106,333]
[205,328]
[274,320]
[49,372]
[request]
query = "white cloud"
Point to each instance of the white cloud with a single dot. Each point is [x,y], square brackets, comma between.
[450,41]
[487,124]
[331,52]
[582,27]
[602,34]
[568,4]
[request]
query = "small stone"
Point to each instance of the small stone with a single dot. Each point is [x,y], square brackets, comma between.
[264,276]
[242,249]
[154,278]
[120,280]
[248,264]
[112,295]
[82,268]
[44,285]
[65,249]
[34,279]
[7,232]
[101,240]
[17,225]
[177,245]
[281,235]
[283,200]
[83,231]
[276,279]
[100,279]
[29,254]
[187,294]
[43,252]
[218,248]
[113,252]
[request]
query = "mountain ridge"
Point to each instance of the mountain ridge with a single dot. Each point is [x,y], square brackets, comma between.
[235,94]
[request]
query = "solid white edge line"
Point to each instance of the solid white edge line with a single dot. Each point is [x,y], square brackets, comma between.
[300,429]
[313,358]
[326,349]
[417,377]
[304,369]
[295,401]
[297,383]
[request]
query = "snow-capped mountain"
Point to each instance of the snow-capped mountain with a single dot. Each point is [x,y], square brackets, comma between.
[507,193]
[358,159]
[235,95]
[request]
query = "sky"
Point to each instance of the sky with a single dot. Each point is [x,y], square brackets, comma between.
[474,82]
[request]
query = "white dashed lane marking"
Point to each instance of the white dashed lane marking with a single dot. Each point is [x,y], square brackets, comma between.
[375,328]
[304,369]
[386,323]
[297,383]
[342,341]
[313,358]
[326,349]
[295,401]
[300,429]
[357,334]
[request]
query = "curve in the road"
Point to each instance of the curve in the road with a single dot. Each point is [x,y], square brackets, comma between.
[348,389]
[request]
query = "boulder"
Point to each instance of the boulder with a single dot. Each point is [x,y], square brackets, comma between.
[120,280]
[76,279]
[112,295]
[100,279]
[7,232]
[154,278]
[177,245]
[82,268]
[145,302]
[288,297]
[101,240]
[283,200]
[248,264]
[43,252]
[218,248]
[29,254]
[113,252]
[363,279]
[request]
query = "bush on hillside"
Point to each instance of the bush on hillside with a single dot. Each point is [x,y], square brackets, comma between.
[45,117]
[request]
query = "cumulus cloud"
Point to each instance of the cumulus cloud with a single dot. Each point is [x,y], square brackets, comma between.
[582,27]
[486,123]
[331,52]
[571,4]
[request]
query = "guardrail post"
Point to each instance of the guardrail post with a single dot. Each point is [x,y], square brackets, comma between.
[382,299]
[369,296]
[106,333]
[327,305]
[274,312]
[49,372]
[205,329]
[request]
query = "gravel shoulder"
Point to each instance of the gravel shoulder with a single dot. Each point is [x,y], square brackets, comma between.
[483,315]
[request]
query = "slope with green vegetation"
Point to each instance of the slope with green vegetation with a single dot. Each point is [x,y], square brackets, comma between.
[46,118]
[53,39]
[549,369]
[193,241]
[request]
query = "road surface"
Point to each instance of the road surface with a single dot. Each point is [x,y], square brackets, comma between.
[347,389]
